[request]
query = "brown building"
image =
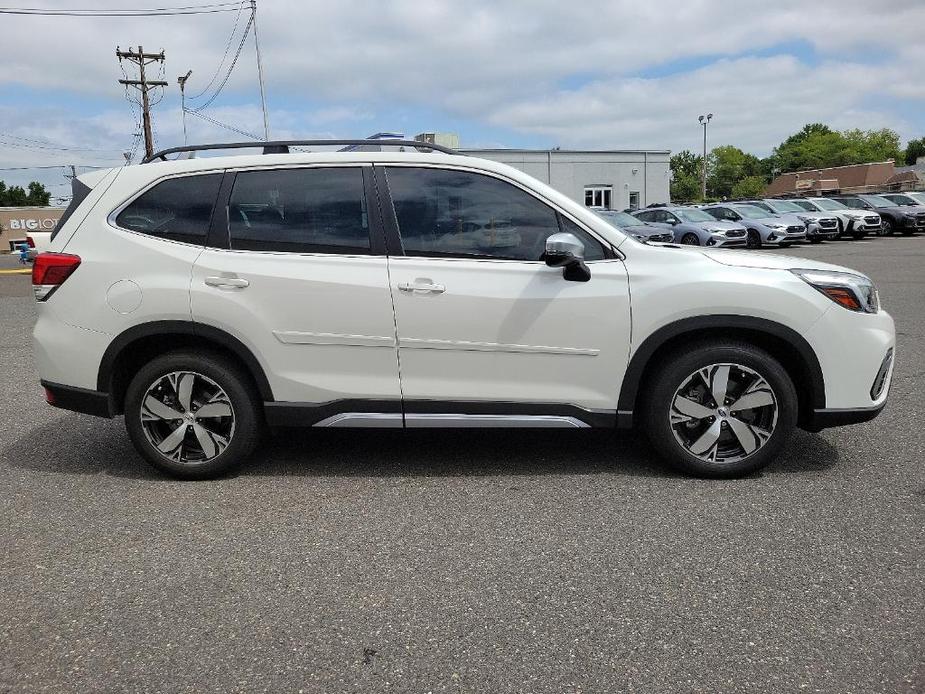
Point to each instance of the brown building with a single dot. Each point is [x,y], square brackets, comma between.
[881,176]
[16,221]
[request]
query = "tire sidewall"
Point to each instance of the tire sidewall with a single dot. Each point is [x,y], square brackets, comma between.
[237,388]
[663,385]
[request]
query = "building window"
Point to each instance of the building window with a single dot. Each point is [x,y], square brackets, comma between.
[634,199]
[599,196]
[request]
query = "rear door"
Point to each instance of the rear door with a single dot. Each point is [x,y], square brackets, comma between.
[297,272]
[484,325]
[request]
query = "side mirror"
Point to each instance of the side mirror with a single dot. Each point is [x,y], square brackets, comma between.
[568,252]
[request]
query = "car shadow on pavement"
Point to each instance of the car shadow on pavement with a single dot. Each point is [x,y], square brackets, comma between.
[81,445]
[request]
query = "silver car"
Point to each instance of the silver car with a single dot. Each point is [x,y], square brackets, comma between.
[639,230]
[693,227]
[819,225]
[854,223]
[764,228]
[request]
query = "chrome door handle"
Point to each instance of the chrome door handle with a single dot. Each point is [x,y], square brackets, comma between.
[227,282]
[422,287]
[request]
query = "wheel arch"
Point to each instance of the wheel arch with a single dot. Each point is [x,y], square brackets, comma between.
[785,344]
[141,343]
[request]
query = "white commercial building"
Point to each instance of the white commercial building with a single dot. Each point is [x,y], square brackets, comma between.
[613,179]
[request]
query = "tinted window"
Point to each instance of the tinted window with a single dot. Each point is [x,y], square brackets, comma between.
[644,216]
[179,209]
[299,211]
[444,213]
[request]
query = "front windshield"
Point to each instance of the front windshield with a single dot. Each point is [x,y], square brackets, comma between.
[784,206]
[752,212]
[877,201]
[806,205]
[619,219]
[831,205]
[694,215]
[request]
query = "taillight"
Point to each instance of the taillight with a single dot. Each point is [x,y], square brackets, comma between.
[30,241]
[49,272]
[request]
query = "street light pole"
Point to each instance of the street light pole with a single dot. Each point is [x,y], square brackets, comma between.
[182,83]
[704,120]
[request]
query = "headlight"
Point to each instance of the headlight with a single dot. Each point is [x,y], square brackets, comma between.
[853,292]
[775,226]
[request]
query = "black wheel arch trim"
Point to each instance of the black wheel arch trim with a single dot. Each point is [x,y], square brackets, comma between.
[641,357]
[220,337]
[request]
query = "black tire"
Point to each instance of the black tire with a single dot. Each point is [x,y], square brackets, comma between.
[246,418]
[753,239]
[886,227]
[662,386]
[815,239]
[690,239]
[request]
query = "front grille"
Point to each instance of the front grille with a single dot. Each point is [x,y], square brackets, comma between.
[874,221]
[920,220]
[794,229]
[735,233]
[662,238]
[828,223]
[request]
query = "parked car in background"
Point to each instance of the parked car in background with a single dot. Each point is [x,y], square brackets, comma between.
[854,223]
[819,226]
[639,230]
[917,195]
[902,199]
[904,219]
[693,227]
[763,228]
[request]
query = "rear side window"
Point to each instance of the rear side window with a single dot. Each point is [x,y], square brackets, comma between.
[317,210]
[179,209]
[79,193]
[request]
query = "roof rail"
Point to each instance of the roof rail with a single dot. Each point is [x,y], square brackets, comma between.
[282,146]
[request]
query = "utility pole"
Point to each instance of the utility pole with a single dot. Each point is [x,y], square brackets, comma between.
[143,85]
[263,95]
[704,120]
[182,82]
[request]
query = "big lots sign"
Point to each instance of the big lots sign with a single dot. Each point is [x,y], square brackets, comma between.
[46,224]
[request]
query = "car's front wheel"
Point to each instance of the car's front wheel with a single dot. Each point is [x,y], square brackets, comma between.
[720,409]
[690,240]
[753,239]
[192,415]
[886,227]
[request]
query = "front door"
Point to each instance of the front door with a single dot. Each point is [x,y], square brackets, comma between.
[302,280]
[484,325]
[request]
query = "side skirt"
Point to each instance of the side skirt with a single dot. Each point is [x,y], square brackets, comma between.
[428,414]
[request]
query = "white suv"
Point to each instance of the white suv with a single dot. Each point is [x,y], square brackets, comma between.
[206,298]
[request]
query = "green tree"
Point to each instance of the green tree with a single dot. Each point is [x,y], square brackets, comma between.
[16,196]
[37,195]
[686,170]
[727,165]
[914,150]
[749,187]
[817,146]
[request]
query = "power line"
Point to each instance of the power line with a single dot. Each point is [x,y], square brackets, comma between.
[234,30]
[223,125]
[149,12]
[24,145]
[218,90]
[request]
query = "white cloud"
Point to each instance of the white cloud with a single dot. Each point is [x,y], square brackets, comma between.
[494,66]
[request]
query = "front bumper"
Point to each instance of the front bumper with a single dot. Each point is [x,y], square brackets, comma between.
[814,231]
[719,241]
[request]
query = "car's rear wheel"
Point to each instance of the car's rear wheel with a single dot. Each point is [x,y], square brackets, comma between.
[690,239]
[192,415]
[753,239]
[720,409]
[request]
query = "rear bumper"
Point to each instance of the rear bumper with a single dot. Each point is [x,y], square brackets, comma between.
[82,400]
[827,418]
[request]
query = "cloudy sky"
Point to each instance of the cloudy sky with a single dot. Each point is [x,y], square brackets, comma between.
[538,73]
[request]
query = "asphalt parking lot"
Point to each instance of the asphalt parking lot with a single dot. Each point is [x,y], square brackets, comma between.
[497,562]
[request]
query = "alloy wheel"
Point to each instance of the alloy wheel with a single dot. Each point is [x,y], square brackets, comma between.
[723,413]
[187,417]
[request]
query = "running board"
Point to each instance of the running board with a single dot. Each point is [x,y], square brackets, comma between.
[393,420]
